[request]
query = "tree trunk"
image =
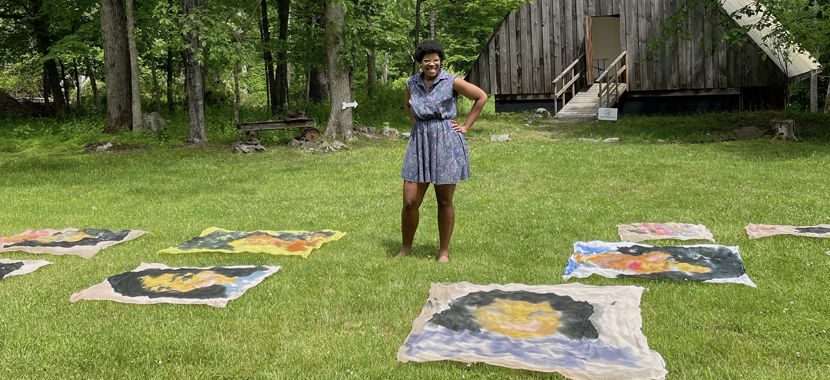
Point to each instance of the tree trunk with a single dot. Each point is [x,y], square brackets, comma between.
[91,74]
[116,65]
[51,84]
[134,72]
[195,83]
[340,120]
[318,82]
[281,78]
[384,69]
[415,65]
[432,22]
[65,82]
[371,64]
[77,83]
[156,90]
[269,60]
[318,85]
[47,92]
[236,93]
[171,103]
[827,100]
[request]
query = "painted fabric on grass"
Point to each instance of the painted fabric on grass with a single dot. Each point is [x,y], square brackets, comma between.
[756,231]
[580,331]
[701,262]
[654,231]
[158,283]
[299,243]
[68,241]
[9,267]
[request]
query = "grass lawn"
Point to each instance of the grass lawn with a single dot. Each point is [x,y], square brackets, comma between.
[344,311]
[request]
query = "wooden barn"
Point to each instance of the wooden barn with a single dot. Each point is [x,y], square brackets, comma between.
[553,49]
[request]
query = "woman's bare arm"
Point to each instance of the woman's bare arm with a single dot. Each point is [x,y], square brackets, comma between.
[472,92]
[408,107]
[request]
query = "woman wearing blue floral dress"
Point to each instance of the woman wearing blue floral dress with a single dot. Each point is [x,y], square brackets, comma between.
[437,152]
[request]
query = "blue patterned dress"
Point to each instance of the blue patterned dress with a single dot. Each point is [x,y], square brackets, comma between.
[436,153]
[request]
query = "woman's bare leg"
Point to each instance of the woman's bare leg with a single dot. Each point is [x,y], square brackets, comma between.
[413,195]
[446,219]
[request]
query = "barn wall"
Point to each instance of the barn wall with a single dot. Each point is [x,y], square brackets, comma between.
[532,46]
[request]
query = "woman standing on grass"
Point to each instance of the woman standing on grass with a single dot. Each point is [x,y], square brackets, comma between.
[437,152]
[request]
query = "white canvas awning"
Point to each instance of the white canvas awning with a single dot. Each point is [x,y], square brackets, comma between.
[800,65]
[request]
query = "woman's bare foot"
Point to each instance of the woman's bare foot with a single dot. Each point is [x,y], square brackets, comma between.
[403,252]
[443,257]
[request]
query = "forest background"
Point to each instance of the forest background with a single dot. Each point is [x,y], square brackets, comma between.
[273,53]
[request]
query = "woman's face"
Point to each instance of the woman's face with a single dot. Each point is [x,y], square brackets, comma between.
[430,64]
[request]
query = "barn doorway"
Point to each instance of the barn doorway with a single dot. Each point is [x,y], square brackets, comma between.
[602,44]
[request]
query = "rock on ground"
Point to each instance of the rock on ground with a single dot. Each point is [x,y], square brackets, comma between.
[248,146]
[582,139]
[152,122]
[612,140]
[105,146]
[746,133]
[500,138]
[542,113]
[389,132]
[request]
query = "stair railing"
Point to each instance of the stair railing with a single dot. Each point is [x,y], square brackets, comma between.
[571,85]
[613,81]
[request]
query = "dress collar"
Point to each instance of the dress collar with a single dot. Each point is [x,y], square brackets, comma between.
[442,75]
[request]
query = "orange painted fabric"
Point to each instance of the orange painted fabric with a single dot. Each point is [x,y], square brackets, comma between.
[297,243]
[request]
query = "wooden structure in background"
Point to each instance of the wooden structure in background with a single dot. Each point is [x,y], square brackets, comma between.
[533,46]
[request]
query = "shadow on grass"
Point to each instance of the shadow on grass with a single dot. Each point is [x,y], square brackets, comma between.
[421,251]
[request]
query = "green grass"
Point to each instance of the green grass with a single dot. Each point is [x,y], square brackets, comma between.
[344,311]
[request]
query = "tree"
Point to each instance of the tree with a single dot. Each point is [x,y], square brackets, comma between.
[192,12]
[340,118]
[116,65]
[282,74]
[134,71]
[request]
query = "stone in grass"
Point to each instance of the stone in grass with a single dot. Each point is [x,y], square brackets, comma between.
[366,129]
[661,141]
[108,146]
[542,113]
[582,139]
[405,135]
[389,132]
[248,146]
[746,133]
[612,140]
[646,141]
[301,142]
[500,138]
[337,144]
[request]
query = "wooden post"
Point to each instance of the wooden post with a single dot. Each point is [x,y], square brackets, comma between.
[813,91]
[573,88]
[627,69]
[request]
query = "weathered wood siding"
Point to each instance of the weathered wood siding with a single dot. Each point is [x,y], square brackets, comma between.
[533,45]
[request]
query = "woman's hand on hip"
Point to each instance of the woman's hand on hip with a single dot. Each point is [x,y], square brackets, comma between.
[459,128]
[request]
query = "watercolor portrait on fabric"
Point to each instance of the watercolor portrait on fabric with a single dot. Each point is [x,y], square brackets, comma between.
[158,283]
[68,241]
[9,267]
[655,231]
[701,262]
[756,231]
[299,243]
[580,331]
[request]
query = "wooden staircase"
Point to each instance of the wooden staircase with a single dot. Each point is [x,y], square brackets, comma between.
[585,105]
[604,92]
